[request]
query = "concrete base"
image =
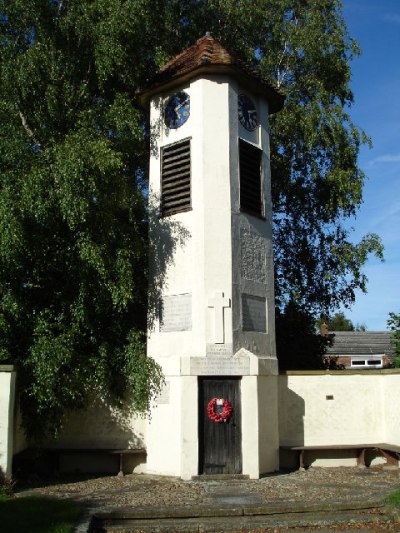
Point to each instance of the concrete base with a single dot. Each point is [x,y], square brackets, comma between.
[173,430]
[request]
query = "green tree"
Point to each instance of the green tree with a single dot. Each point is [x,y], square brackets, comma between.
[394,326]
[74,146]
[73,220]
[298,346]
[340,323]
[303,48]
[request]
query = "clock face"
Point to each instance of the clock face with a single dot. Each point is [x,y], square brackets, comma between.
[177,110]
[247,112]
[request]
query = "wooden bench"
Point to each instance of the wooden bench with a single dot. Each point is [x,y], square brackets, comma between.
[389,451]
[48,459]
[109,451]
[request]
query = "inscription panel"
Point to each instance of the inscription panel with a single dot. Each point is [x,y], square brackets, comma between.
[219,349]
[163,397]
[219,366]
[176,313]
[254,313]
[253,256]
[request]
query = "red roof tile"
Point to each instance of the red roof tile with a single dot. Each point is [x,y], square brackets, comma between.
[208,56]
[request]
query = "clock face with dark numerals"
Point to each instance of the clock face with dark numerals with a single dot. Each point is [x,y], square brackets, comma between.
[177,110]
[247,112]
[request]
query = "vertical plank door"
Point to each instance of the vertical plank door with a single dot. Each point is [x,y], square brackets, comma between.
[220,444]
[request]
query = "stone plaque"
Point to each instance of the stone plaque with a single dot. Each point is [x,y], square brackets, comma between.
[254,313]
[219,366]
[253,249]
[176,313]
[163,397]
[219,349]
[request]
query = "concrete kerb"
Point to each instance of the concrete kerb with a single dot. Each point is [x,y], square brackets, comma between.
[210,518]
[208,511]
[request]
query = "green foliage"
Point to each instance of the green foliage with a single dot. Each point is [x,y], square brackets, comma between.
[73,219]
[303,48]
[394,326]
[338,322]
[6,486]
[74,148]
[38,515]
[298,346]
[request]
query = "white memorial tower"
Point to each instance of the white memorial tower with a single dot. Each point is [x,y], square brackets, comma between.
[213,332]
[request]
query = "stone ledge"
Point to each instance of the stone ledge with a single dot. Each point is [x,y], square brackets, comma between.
[366,372]
[7,368]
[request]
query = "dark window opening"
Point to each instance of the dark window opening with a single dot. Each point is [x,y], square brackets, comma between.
[175,178]
[250,178]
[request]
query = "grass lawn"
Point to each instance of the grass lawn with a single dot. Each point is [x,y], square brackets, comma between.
[394,499]
[37,515]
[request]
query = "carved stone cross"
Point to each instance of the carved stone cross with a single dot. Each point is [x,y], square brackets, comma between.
[219,303]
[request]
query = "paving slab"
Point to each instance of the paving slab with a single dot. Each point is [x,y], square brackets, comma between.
[231,524]
[214,501]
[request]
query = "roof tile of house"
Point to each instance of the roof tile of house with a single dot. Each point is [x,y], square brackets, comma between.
[360,343]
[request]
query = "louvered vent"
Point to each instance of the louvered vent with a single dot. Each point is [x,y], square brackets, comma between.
[175,176]
[250,178]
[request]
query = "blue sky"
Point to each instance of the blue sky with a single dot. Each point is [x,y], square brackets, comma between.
[376,86]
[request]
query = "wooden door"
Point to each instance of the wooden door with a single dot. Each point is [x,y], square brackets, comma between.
[220,444]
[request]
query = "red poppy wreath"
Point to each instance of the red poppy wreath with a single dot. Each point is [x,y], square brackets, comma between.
[220,415]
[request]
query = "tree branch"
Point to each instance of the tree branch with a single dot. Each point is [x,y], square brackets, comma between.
[60,6]
[27,128]
[280,78]
[278,68]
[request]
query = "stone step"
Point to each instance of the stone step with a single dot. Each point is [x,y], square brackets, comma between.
[220,477]
[217,523]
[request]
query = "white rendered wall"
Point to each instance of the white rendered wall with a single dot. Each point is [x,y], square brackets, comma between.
[253,271]
[201,266]
[260,438]
[7,399]
[208,263]
[201,261]
[339,407]
[164,433]
[101,427]
[391,398]
[268,431]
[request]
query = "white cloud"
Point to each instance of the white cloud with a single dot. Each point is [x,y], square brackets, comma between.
[387,223]
[391,17]
[387,158]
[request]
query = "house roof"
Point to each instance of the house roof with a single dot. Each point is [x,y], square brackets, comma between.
[208,56]
[360,343]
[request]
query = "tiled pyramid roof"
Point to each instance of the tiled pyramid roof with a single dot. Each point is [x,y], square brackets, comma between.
[208,56]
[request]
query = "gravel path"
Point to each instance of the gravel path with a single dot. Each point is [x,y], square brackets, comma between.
[316,485]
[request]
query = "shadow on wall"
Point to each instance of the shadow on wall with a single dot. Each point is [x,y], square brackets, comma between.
[166,236]
[82,445]
[100,427]
[291,423]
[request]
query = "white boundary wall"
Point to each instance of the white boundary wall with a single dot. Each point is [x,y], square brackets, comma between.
[7,401]
[339,407]
[315,408]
